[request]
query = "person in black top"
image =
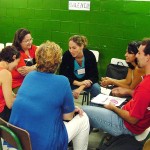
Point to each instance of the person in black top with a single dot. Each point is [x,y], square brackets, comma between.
[80,67]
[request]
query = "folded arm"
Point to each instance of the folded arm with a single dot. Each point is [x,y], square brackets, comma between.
[121,83]
[26,69]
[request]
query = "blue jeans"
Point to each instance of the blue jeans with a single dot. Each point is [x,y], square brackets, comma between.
[106,120]
[94,90]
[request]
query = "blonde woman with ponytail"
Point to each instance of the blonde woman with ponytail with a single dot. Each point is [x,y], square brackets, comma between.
[80,67]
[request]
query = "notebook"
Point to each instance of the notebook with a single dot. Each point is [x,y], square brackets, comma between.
[103,99]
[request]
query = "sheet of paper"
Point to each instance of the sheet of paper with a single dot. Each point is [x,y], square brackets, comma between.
[105,99]
[105,91]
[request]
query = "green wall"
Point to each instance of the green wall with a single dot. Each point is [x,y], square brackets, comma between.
[109,26]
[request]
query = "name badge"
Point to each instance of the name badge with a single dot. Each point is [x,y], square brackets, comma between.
[81,71]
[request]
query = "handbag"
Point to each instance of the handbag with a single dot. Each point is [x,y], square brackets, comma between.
[117,71]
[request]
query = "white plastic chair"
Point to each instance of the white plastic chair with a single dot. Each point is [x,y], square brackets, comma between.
[1,46]
[8,44]
[143,135]
[96,53]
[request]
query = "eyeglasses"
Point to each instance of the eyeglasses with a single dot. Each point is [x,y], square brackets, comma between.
[28,41]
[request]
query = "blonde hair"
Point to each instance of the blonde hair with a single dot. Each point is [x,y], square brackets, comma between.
[79,40]
[48,57]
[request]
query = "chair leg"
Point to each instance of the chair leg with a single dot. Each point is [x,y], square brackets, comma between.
[83,99]
[87,98]
[1,147]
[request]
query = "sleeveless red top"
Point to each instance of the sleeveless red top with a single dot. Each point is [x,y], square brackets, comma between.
[2,100]
[17,78]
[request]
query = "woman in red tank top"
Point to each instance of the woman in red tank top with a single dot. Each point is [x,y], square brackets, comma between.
[9,59]
[23,42]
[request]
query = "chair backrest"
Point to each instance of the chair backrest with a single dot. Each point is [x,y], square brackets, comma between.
[1,46]
[16,137]
[144,135]
[8,44]
[96,54]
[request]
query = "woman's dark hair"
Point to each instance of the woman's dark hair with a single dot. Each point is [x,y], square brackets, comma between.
[19,36]
[133,49]
[7,54]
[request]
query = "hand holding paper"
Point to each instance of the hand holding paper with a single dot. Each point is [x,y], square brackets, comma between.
[109,106]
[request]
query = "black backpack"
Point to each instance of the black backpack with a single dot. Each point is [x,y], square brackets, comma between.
[122,142]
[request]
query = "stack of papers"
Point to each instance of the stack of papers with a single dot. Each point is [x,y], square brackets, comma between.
[105,99]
